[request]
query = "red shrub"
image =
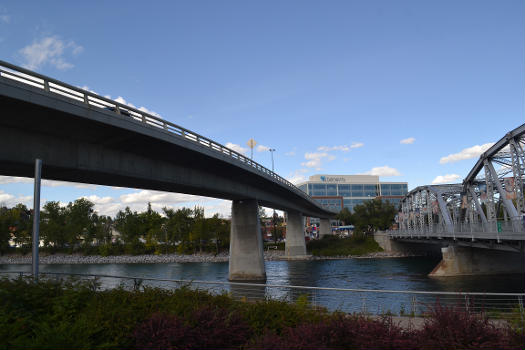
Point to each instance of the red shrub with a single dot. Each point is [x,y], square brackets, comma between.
[340,332]
[205,328]
[452,328]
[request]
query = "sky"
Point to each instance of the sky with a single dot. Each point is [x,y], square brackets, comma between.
[412,91]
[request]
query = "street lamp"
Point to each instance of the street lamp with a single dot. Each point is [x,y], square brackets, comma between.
[274,216]
[271,151]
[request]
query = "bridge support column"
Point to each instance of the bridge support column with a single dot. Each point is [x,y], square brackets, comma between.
[324,228]
[295,246]
[246,248]
[459,261]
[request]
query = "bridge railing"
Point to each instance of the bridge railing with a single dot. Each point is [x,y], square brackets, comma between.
[501,230]
[21,75]
[366,301]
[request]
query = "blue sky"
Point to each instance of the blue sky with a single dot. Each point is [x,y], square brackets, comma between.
[333,86]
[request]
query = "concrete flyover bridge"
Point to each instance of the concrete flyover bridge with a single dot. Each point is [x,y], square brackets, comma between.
[80,136]
[481,221]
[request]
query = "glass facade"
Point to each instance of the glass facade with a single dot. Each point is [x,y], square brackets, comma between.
[354,193]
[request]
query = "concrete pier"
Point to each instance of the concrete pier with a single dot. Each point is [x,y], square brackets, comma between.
[295,246]
[459,261]
[324,228]
[246,248]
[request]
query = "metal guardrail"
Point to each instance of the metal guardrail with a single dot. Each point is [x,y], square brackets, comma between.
[21,75]
[367,301]
[502,230]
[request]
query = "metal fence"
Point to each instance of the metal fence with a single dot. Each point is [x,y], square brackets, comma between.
[366,301]
[20,75]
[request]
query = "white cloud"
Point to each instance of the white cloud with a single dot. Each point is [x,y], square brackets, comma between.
[5,19]
[138,201]
[9,200]
[467,153]
[49,50]
[342,148]
[315,159]
[99,200]
[237,148]
[407,141]
[383,171]
[146,196]
[262,148]
[297,176]
[445,179]
[290,154]
[357,145]
[14,179]
[48,183]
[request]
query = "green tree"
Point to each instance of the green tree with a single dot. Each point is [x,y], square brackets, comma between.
[53,225]
[16,225]
[345,216]
[103,229]
[199,231]
[178,225]
[128,225]
[80,222]
[373,215]
[151,227]
[219,229]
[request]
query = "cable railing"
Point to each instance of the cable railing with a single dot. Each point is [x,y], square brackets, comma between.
[365,301]
[50,85]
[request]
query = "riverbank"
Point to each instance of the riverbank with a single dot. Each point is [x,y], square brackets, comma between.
[172,258]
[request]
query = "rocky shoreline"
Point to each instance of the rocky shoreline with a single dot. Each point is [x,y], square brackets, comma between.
[171,258]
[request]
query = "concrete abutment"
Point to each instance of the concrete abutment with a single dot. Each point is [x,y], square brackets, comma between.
[460,261]
[246,247]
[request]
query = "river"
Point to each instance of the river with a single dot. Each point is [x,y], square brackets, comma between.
[405,274]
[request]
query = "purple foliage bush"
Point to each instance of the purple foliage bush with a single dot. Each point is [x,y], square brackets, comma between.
[340,332]
[222,328]
[206,328]
[453,328]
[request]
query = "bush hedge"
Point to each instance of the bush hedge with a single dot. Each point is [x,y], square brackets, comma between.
[58,315]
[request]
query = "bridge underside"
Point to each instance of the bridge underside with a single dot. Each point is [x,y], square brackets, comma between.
[95,149]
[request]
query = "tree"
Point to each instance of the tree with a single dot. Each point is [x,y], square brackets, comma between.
[219,229]
[373,215]
[53,225]
[15,224]
[178,224]
[345,216]
[151,226]
[80,222]
[127,224]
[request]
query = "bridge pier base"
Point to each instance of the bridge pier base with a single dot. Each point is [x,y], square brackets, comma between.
[459,261]
[246,248]
[295,246]
[324,228]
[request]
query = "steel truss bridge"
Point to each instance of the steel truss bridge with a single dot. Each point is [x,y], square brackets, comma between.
[487,206]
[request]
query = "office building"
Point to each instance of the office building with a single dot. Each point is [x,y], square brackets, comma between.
[346,191]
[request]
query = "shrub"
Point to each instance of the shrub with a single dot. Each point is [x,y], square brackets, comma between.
[339,332]
[453,328]
[206,328]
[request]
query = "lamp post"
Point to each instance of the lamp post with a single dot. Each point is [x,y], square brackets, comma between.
[271,151]
[274,219]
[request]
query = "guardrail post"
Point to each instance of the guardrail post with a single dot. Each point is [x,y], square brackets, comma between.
[36,218]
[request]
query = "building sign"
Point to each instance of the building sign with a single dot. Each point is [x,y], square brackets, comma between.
[332,179]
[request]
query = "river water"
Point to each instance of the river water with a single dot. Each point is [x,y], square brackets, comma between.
[404,274]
